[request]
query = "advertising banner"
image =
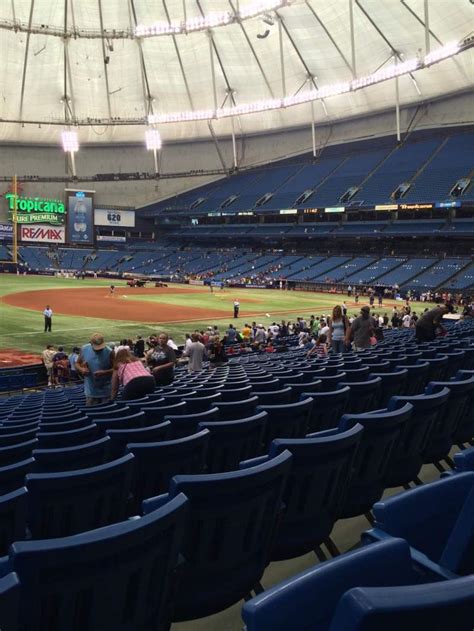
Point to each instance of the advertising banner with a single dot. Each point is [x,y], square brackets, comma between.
[36,209]
[43,234]
[6,231]
[80,218]
[112,239]
[114,218]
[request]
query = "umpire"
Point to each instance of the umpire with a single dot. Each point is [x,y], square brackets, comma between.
[48,318]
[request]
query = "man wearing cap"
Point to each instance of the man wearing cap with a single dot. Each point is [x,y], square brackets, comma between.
[430,322]
[95,365]
[361,330]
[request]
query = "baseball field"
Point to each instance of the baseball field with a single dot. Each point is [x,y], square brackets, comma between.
[82,307]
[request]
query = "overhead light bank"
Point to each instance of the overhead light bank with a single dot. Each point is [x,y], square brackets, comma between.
[211,20]
[306,96]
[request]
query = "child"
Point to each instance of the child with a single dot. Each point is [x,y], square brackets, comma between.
[320,348]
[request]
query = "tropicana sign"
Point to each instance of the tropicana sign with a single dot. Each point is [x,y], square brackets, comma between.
[36,209]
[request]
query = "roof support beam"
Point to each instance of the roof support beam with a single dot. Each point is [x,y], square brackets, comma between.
[105,57]
[247,38]
[178,53]
[353,48]
[25,59]
[147,97]
[309,74]
[331,38]
[386,40]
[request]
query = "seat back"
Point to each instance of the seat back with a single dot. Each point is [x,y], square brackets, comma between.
[129,421]
[233,441]
[12,476]
[382,431]
[63,504]
[93,578]
[393,384]
[202,403]
[13,509]
[274,397]
[363,395]
[430,606]
[17,436]
[72,458]
[156,415]
[460,405]
[320,472]
[230,411]
[71,438]
[17,452]
[416,378]
[119,438]
[289,420]
[228,534]
[408,457]
[9,601]
[235,394]
[187,424]
[156,463]
[328,407]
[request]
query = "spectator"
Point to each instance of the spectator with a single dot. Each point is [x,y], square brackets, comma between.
[216,352]
[139,347]
[47,356]
[129,372]
[73,357]
[162,359]
[430,322]
[60,367]
[195,351]
[320,349]
[337,330]
[95,365]
[361,330]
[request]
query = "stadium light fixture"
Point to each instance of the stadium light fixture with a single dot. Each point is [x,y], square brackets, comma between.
[211,20]
[153,140]
[71,146]
[70,141]
[306,96]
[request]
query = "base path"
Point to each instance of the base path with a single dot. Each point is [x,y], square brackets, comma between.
[95,302]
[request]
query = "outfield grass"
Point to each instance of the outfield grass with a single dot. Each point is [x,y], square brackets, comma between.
[23,328]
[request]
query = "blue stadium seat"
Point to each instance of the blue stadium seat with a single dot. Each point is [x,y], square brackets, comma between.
[460,405]
[202,403]
[463,460]
[186,424]
[17,452]
[436,520]
[72,458]
[229,531]
[12,476]
[17,437]
[289,420]
[417,377]
[329,383]
[155,415]
[328,407]
[382,432]
[318,480]
[119,438]
[308,387]
[133,420]
[230,411]
[13,511]
[393,383]
[266,383]
[430,606]
[233,441]
[83,421]
[309,599]
[407,458]
[275,397]
[363,395]
[63,504]
[71,438]
[87,586]
[9,602]
[465,430]
[235,394]
[156,463]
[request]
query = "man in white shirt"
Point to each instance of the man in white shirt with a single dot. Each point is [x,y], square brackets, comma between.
[406,321]
[48,318]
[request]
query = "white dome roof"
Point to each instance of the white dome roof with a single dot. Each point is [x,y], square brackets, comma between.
[116,77]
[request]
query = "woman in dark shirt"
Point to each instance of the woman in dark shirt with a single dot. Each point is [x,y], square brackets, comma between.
[161,360]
